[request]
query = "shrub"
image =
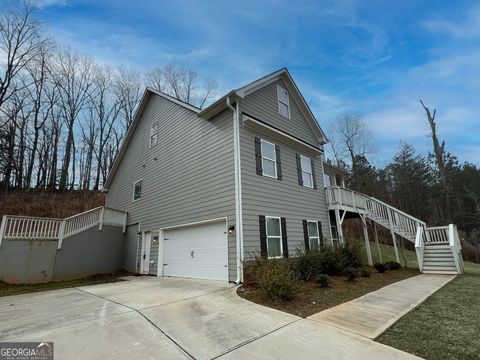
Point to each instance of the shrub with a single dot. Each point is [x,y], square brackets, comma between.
[365,273]
[351,273]
[275,278]
[392,265]
[381,268]
[306,264]
[327,260]
[323,280]
[351,257]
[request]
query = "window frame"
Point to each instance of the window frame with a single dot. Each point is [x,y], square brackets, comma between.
[141,190]
[274,236]
[283,102]
[153,134]
[269,159]
[305,171]
[313,237]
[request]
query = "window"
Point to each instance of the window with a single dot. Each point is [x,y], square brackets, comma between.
[283,102]
[269,159]
[137,190]
[274,237]
[154,135]
[307,175]
[327,180]
[313,237]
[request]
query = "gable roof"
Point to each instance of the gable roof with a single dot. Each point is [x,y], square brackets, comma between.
[293,90]
[136,119]
[219,106]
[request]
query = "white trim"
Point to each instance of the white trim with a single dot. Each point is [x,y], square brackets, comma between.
[141,190]
[136,253]
[194,223]
[175,100]
[269,159]
[279,237]
[161,251]
[305,171]
[313,237]
[238,190]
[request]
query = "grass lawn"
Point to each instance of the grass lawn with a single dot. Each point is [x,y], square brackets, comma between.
[447,325]
[14,289]
[311,299]
[388,254]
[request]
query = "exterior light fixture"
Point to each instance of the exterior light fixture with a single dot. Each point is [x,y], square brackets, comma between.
[231,229]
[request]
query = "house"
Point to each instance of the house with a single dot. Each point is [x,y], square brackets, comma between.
[194,193]
[208,189]
[205,189]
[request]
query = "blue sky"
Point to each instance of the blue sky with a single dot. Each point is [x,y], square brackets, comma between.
[373,58]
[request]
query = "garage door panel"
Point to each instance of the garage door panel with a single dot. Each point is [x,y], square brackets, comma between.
[197,252]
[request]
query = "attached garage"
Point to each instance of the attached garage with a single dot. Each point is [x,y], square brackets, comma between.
[197,251]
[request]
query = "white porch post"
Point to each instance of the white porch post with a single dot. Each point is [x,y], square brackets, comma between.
[339,226]
[102,214]
[2,228]
[61,235]
[394,238]
[367,242]
[375,235]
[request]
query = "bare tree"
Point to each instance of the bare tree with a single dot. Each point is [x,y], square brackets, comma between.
[155,78]
[73,78]
[20,42]
[440,159]
[350,138]
[182,83]
[127,90]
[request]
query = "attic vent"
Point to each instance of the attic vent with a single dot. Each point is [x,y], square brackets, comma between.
[283,102]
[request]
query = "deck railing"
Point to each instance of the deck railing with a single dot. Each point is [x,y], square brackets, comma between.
[27,227]
[402,223]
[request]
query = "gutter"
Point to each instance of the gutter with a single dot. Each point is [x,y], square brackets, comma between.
[238,189]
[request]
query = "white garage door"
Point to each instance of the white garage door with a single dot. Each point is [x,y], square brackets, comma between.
[198,251]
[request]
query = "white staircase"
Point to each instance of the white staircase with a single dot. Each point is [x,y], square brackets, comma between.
[438,259]
[438,248]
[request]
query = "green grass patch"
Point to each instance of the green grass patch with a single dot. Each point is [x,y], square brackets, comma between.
[15,289]
[447,325]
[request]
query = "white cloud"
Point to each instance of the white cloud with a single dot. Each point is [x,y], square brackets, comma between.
[41,4]
[468,28]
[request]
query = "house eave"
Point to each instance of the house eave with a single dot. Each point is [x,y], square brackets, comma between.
[264,128]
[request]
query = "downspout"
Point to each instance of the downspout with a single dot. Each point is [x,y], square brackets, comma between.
[238,191]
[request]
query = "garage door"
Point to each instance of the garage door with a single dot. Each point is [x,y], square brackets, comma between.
[198,251]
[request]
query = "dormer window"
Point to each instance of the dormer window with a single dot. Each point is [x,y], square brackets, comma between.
[154,134]
[283,102]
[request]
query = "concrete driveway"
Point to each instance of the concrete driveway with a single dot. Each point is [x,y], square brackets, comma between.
[153,318]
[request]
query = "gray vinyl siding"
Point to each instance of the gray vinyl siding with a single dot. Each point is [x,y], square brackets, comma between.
[187,177]
[263,104]
[130,249]
[283,198]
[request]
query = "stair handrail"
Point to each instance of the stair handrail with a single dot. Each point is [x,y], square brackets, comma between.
[456,247]
[398,210]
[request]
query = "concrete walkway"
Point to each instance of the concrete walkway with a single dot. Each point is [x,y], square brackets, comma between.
[371,314]
[153,318]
